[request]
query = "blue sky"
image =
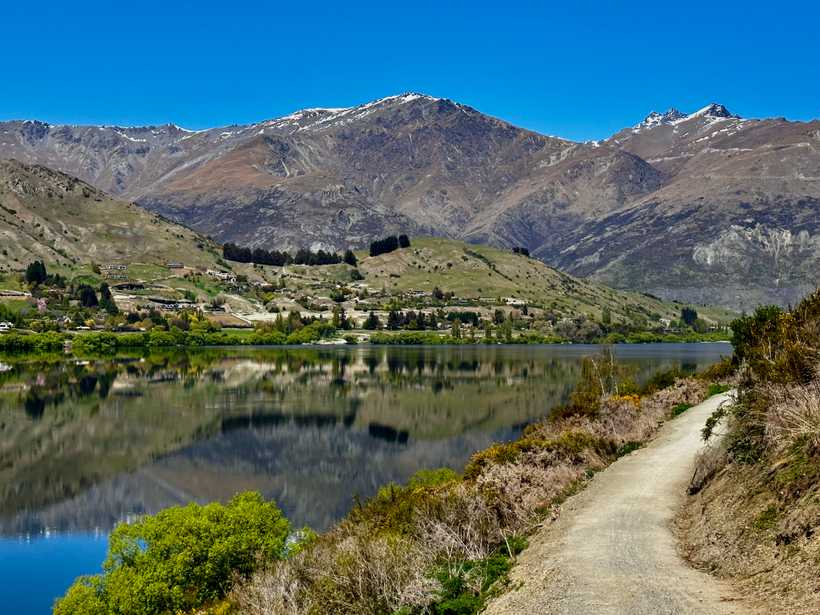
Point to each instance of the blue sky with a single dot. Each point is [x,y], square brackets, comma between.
[581,70]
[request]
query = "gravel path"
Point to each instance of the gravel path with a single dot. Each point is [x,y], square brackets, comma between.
[612,551]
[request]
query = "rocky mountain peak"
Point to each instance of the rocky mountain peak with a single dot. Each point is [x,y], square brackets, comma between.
[667,117]
[714,110]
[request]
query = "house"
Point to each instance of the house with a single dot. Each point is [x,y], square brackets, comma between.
[174,265]
[6,326]
[221,275]
[113,267]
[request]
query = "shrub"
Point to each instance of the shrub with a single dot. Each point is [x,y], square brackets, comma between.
[180,558]
[311,333]
[679,409]
[716,389]
[49,341]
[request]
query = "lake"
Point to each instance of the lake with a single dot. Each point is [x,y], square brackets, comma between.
[87,444]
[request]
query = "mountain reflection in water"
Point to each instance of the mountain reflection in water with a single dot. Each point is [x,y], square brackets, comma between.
[85,444]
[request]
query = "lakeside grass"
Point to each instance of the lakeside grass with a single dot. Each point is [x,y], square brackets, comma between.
[93,343]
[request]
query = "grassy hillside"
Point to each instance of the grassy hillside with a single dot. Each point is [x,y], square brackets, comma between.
[476,275]
[63,221]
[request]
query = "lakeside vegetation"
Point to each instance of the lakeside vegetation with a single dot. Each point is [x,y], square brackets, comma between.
[414,291]
[442,543]
[97,343]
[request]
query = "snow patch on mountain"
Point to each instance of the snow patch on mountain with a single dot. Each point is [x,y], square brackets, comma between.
[657,119]
[319,118]
[712,112]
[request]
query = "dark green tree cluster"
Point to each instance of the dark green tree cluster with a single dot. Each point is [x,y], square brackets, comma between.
[340,319]
[522,251]
[87,296]
[464,317]
[36,273]
[688,316]
[372,322]
[260,256]
[389,244]
[411,320]
[106,300]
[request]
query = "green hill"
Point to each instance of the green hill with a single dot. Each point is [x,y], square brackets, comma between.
[477,275]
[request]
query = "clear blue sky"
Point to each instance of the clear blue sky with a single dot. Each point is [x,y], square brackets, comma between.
[580,70]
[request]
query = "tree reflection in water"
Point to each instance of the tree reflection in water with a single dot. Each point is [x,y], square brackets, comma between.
[84,444]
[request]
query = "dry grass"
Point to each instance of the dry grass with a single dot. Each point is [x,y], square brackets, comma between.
[755,514]
[391,553]
[793,415]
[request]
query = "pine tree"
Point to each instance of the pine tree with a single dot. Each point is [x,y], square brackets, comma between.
[36,273]
[106,300]
[394,320]
[456,329]
[372,322]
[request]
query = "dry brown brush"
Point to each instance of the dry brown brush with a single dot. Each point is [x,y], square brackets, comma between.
[408,548]
[755,515]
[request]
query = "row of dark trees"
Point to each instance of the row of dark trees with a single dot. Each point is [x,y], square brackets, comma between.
[521,251]
[87,297]
[413,321]
[36,274]
[260,256]
[389,244]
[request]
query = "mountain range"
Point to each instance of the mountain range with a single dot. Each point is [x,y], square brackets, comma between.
[704,206]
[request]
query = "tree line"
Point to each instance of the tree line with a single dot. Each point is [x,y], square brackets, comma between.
[277,258]
[389,244]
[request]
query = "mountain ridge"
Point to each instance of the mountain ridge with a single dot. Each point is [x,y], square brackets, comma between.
[335,177]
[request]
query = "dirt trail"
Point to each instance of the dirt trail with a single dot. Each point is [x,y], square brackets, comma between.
[612,551]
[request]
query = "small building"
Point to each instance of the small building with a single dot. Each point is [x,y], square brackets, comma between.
[221,275]
[174,265]
[514,301]
[6,326]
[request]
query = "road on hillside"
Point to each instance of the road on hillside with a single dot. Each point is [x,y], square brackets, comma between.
[612,550]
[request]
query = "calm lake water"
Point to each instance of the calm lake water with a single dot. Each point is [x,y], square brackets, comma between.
[85,445]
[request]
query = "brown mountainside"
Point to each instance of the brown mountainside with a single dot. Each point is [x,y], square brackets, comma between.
[706,206]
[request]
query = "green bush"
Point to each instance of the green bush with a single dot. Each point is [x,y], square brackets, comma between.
[716,389]
[36,342]
[180,558]
[311,333]
[467,587]
[680,409]
[95,343]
